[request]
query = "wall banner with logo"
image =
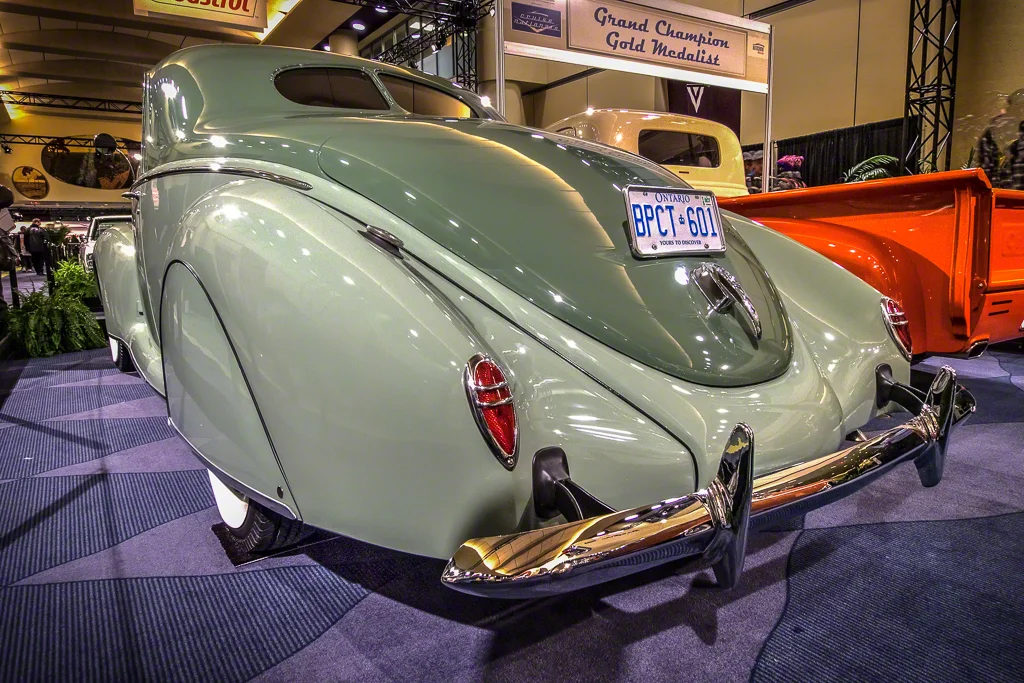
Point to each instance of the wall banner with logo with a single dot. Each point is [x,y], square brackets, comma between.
[654,37]
[245,14]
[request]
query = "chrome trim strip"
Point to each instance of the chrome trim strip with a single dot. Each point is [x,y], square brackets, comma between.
[385,235]
[493,404]
[226,168]
[710,523]
[261,498]
[490,387]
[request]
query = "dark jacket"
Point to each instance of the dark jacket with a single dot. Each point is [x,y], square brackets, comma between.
[35,240]
[988,156]
[1015,161]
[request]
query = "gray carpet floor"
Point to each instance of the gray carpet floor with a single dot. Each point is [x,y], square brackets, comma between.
[109,570]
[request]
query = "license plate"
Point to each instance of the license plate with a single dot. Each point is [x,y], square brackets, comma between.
[673,221]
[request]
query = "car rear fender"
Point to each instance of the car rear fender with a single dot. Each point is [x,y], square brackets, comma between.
[354,363]
[114,260]
[837,314]
[619,453]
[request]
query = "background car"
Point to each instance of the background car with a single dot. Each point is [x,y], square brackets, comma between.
[376,308]
[97,225]
[704,153]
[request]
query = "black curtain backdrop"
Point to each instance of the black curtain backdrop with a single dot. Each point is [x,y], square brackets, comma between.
[827,155]
[706,102]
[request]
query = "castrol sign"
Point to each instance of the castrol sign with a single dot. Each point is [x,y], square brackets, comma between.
[249,14]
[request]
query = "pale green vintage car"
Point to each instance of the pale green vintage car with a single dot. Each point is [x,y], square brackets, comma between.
[376,308]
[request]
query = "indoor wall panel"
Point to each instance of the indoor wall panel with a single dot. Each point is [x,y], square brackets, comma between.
[882,60]
[815,71]
[989,69]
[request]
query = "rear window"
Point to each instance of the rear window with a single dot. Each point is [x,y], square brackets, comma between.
[425,100]
[341,88]
[100,226]
[674,148]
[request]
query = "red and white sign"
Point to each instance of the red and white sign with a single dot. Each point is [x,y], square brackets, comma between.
[251,14]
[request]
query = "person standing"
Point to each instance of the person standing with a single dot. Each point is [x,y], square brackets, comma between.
[35,244]
[1015,161]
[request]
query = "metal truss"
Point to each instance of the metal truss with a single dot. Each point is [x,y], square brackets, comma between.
[452,19]
[464,55]
[931,85]
[68,142]
[433,9]
[61,102]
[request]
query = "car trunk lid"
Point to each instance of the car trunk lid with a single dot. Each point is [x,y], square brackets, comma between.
[546,217]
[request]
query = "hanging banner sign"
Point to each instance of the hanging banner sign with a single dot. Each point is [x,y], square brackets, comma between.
[728,50]
[247,14]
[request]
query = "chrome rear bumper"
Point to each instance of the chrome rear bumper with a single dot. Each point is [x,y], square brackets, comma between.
[711,524]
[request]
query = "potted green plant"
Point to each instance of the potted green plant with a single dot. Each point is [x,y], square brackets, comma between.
[874,168]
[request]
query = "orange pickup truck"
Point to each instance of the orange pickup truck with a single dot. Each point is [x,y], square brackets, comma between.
[948,246]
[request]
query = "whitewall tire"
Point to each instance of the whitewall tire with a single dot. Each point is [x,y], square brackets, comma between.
[256,528]
[233,507]
[120,355]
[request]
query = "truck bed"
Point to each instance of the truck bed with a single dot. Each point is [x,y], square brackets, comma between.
[947,246]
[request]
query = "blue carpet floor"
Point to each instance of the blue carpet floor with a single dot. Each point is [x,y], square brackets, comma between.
[109,570]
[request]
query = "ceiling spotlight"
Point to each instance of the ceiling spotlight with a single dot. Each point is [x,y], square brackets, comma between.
[327,47]
[415,24]
[358,25]
[491,12]
[382,9]
[6,148]
[414,36]
[428,27]
[434,47]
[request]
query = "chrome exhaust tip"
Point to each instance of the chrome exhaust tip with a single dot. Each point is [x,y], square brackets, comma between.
[977,349]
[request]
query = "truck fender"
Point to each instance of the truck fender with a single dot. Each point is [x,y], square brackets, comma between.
[873,259]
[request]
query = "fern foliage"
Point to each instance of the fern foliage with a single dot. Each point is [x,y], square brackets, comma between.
[60,323]
[72,280]
[874,168]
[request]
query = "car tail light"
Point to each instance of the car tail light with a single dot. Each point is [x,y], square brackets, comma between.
[899,326]
[490,399]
